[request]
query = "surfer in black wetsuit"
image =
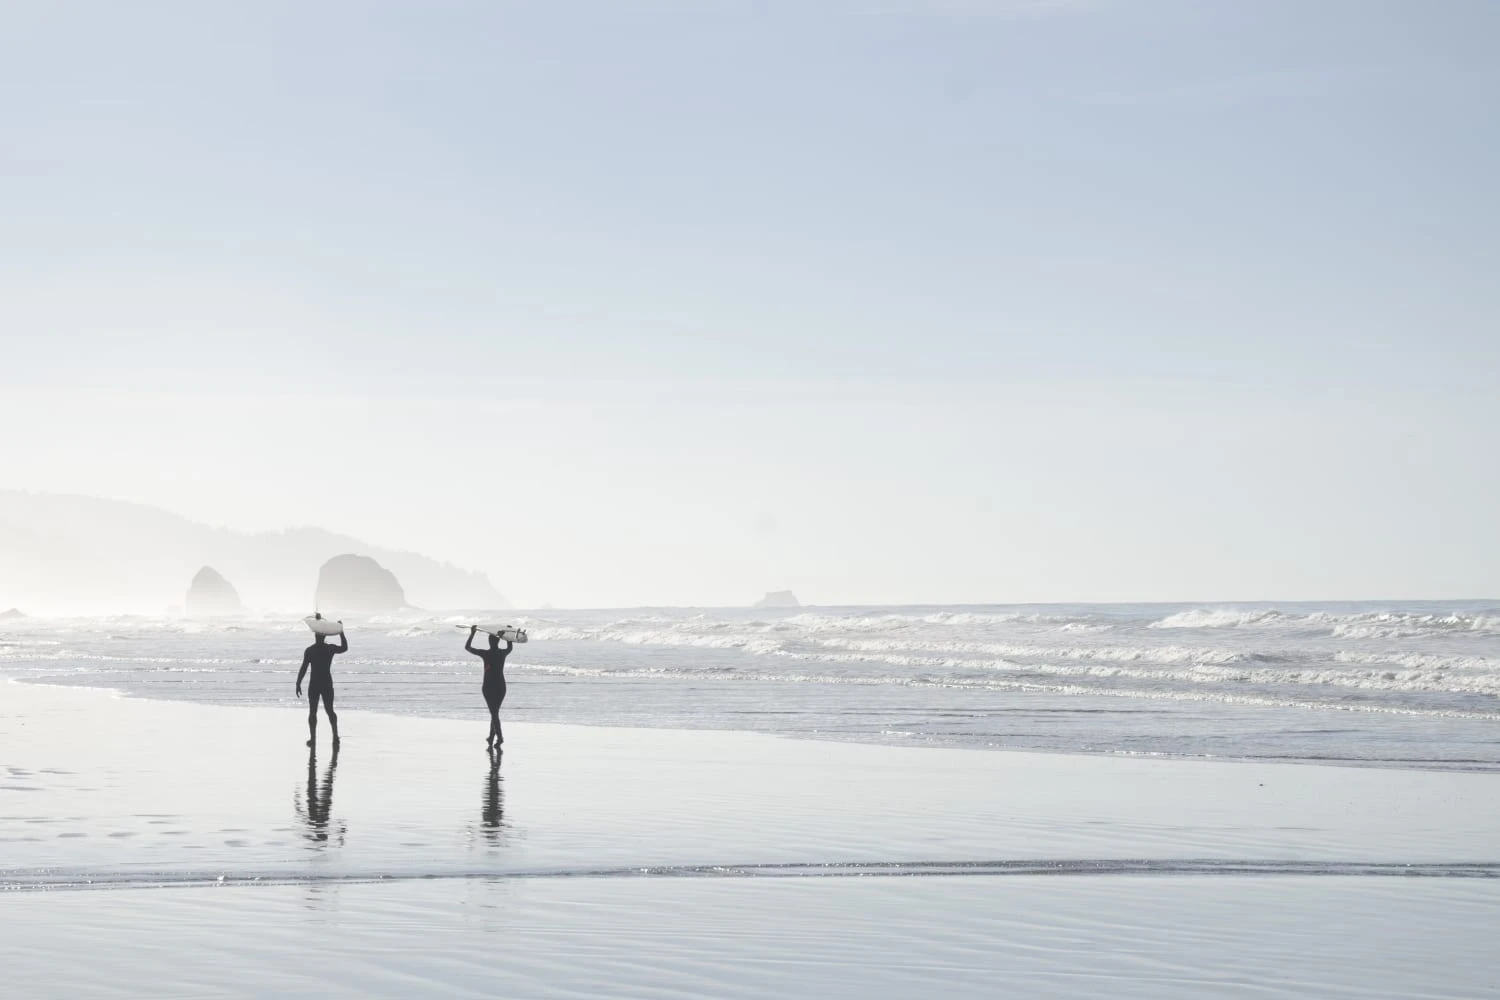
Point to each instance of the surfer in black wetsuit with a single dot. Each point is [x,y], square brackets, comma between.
[494,680]
[319,656]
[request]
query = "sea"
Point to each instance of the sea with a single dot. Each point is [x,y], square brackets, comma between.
[1382,684]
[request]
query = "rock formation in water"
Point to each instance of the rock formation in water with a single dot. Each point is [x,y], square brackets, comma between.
[211,594]
[779,599]
[358,583]
[62,554]
[13,613]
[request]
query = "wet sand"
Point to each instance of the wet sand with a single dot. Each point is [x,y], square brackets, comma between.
[185,850]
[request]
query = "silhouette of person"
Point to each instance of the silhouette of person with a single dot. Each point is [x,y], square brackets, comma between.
[319,656]
[494,680]
[317,808]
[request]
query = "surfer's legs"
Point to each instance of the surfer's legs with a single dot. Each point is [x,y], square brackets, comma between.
[312,717]
[494,707]
[333,718]
[492,700]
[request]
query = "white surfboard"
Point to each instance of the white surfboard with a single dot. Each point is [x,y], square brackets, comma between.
[506,632]
[323,626]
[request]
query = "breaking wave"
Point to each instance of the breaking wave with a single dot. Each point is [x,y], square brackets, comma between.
[1361,625]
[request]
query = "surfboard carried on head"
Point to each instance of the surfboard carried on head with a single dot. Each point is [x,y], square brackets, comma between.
[323,626]
[507,632]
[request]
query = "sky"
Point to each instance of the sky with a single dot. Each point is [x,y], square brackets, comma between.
[676,302]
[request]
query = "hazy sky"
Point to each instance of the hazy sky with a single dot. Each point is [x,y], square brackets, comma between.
[680,301]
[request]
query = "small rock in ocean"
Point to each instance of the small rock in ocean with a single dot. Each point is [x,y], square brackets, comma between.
[211,594]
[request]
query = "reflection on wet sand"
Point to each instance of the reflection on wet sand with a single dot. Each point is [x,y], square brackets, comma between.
[315,804]
[492,815]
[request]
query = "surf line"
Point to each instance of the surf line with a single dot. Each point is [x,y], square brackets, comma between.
[53,879]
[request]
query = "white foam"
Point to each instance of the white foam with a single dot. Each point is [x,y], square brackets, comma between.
[1431,661]
[1216,618]
[1354,625]
[1124,654]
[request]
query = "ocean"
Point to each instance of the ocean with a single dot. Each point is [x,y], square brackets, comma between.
[1386,684]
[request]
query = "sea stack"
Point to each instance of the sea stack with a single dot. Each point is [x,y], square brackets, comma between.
[779,599]
[211,594]
[11,615]
[358,583]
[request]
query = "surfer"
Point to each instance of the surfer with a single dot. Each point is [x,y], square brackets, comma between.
[319,656]
[494,680]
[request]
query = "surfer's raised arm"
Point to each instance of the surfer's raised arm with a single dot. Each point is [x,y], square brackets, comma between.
[343,642]
[469,642]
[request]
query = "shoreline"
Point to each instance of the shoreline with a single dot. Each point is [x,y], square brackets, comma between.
[1445,766]
[1414,688]
[94,784]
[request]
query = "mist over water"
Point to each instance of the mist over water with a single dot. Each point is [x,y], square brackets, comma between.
[1393,684]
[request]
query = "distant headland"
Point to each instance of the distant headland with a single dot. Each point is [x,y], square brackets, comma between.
[64,552]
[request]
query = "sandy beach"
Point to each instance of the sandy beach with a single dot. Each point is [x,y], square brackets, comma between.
[202,850]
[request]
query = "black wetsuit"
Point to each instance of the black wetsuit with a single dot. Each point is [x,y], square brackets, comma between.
[494,674]
[494,682]
[319,659]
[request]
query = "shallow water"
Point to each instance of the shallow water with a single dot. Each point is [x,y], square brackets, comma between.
[205,851]
[1406,685]
[102,791]
[1111,937]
